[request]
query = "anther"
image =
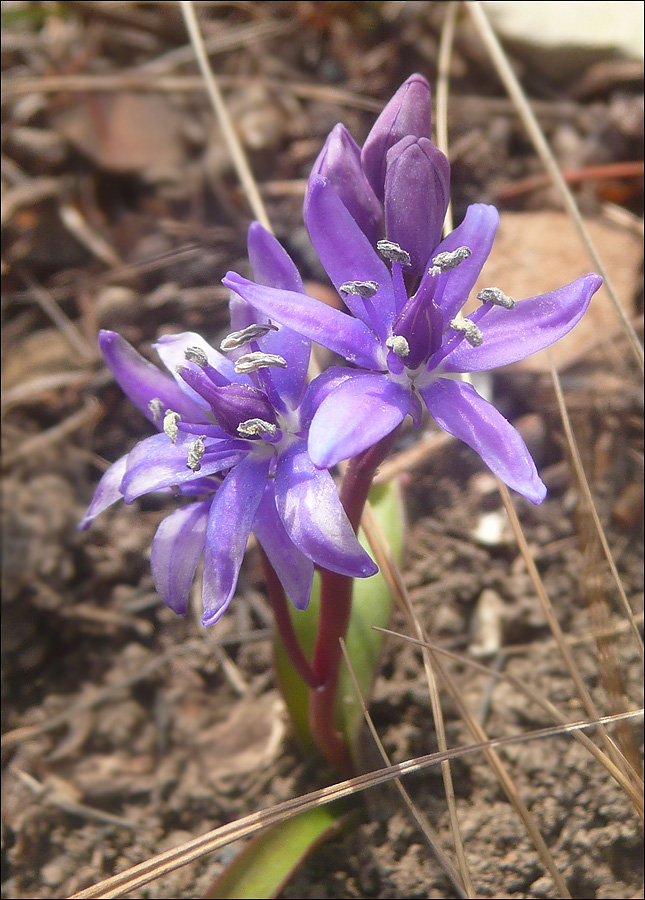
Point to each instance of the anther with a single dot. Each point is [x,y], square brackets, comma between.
[497,297]
[393,252]
[196,355]
[256,428]
[156,408]
[196,452]
[251,362]
[364,289]
[398,345]
[471,332]
[237,339]
[443,262]
[170,424]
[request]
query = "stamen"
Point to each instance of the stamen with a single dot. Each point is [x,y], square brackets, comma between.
[237,339]
[443,262]
[256,428]
[398,345]
[156,408]
[392,252]
[170,424]
[497,297]
[364,289]
[251,362]
[196,452]
[471,332]
[196,355]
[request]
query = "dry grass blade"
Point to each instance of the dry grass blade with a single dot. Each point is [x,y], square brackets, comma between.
[586,490]
[541,145]
[428,831]
[634,793]
[389,568]
[141,80]
[88,415]
[230,135]
[144,873]
[448,29]
[554,625]
[50,307]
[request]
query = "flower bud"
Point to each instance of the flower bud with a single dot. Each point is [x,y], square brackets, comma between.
[417,187]
[340,162]
[407,113]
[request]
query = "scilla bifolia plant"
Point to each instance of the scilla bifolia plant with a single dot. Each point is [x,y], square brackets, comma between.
[248,444]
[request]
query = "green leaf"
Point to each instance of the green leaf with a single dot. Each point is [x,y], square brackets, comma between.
[371,605]
[262,869]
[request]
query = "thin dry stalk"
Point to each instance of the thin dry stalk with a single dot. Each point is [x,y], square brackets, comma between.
[228,129]
[389,568]
[138,876]
[422,823]
[52,310]
[634,793]
[514,89]
[586,491]
[446,42]
[177,84]
[556,631]
[88,415]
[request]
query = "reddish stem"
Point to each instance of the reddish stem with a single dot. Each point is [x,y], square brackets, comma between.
[280,607]
[335,610]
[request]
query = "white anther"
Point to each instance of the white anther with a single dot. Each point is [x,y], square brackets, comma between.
[450,259]
[364,289]
[156,408]
[170,424]
[237,339]
[393,252]
[471,332]
[497,297]
[251,362]
[398,345]
[196,452]
[196,355]
[256,428]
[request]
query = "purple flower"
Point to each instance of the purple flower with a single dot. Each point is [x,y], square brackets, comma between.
[406,349]
[403,335]
[233,440]
[399,181]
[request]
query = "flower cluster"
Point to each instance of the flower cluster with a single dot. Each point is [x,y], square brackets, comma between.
[249,443]
[232,440]
[374,217]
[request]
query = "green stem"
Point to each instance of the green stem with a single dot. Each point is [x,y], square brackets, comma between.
[335,610]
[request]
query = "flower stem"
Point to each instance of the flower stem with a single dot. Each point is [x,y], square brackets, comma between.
[335,610]
[280,607]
